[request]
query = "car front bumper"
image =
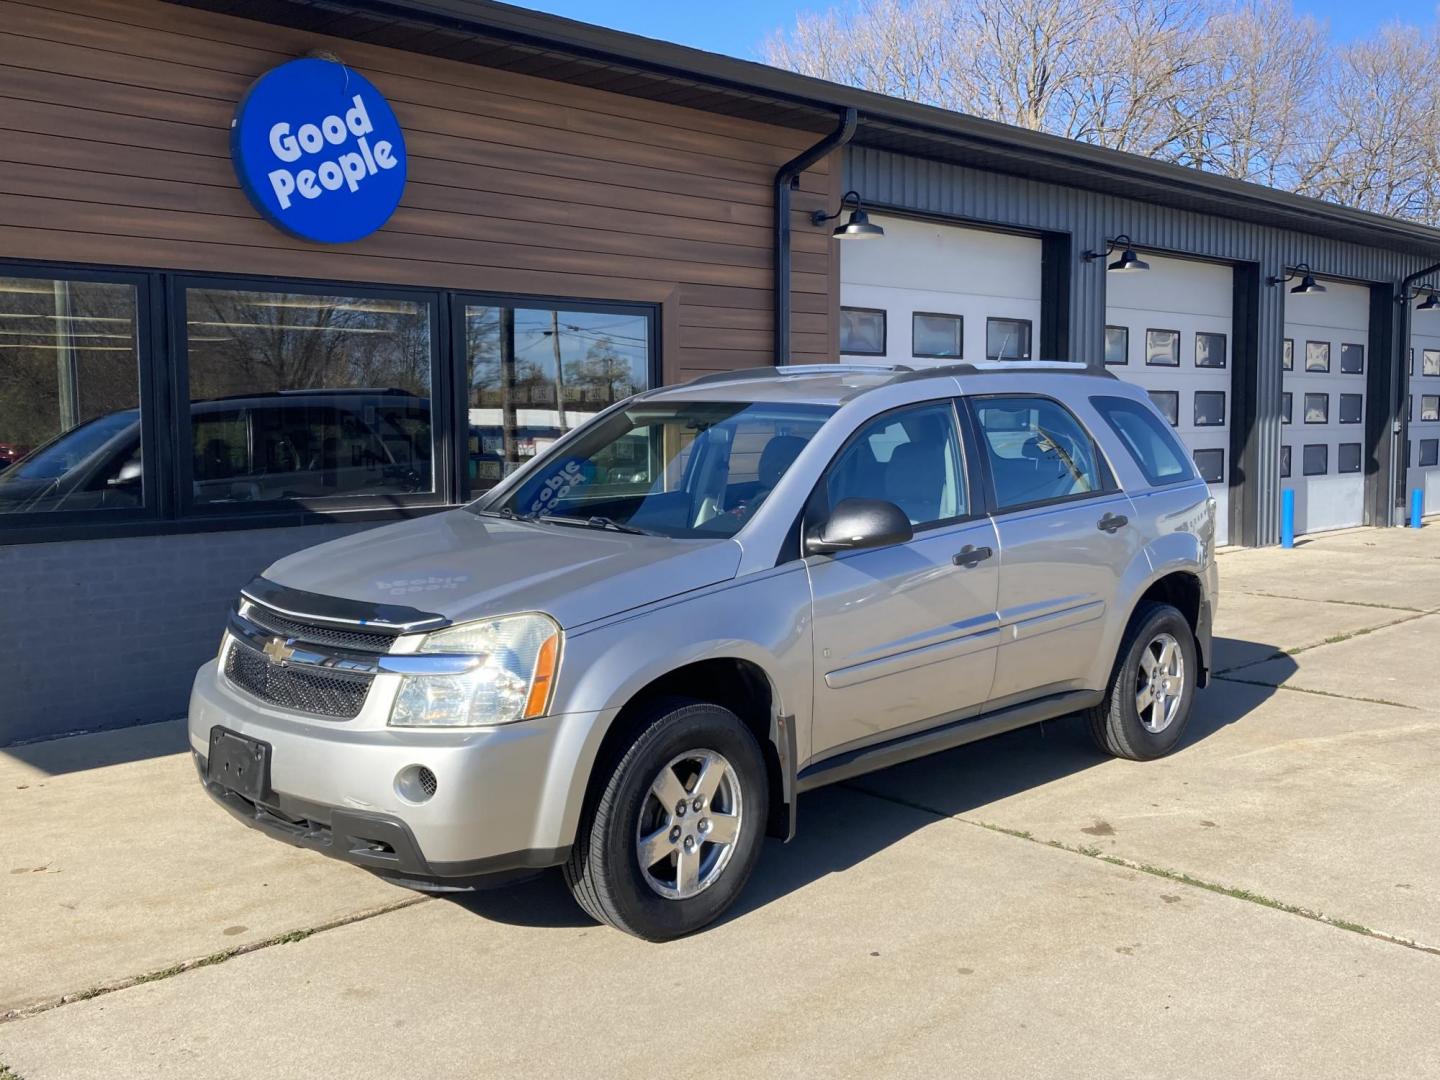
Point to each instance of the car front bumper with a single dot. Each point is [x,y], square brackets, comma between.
[503,799]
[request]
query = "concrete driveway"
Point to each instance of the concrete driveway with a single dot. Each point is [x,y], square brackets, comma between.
[1265,902]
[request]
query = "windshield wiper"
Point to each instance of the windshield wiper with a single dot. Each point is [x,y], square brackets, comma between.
[591,523]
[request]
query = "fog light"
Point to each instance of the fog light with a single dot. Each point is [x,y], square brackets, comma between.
[415,783]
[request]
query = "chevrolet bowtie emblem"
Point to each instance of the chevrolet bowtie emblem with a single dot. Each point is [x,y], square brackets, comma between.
[278,650]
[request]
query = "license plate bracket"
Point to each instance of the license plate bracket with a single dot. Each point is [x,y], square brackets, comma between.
[238,764]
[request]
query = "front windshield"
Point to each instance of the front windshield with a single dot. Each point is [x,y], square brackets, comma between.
[69,450]
[675,468]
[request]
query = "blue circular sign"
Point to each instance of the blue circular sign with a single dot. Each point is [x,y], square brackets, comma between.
[319,152]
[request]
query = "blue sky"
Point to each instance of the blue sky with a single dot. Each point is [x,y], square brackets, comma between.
[738,27]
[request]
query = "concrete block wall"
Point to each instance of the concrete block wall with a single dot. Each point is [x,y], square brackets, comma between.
[105,633]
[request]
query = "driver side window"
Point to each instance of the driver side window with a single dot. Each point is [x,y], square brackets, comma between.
[910,457]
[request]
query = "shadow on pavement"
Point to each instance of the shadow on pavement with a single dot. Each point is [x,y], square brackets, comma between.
[98,750]
[840,829]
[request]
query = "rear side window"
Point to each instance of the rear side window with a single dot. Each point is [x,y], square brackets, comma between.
[1150,441]
[1038,451]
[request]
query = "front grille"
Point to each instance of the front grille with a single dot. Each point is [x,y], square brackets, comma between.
[337,696]
[358,638]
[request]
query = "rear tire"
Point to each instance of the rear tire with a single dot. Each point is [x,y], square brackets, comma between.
[677,828]
[1152,687]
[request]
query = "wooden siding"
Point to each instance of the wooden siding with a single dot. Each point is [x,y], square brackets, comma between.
[116,117]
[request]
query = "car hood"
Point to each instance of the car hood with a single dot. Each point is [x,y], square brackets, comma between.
[466,566]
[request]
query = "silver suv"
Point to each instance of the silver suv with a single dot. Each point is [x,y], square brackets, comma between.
[631,657]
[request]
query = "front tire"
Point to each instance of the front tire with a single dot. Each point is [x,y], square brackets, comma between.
[677,828]
[1152,687]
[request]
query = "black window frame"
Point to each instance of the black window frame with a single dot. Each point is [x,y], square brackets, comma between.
[1224,350]
[884,331]
[1433,448]
[1287,406]
[1346,348]
[454,337]
[1029,325]
[1328,358]
[1162,330]
[1425,356]
[1436,414]
[1174,424]
[442,465]
[930,355]
[1106,346]
[49,525]
[1305,469]
[970,406]
[1208,450]
[1195,408]
[1305,407]
[1286,455]
[1340,411]
[1287,345]
[160,306]
[1341,450]
[1101,403]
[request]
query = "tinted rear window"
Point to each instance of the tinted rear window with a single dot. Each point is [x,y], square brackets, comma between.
[1148,438]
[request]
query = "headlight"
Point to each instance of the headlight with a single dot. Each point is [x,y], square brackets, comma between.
[517,654]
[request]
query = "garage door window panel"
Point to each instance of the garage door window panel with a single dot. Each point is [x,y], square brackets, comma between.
[862,331]
[1284,462]
[1162,348]
[1352,359]
[1211,464]
[1287,406]
[1317,356]
[1348,460]
[1007,339]
[1315,459]
[1209,350]
[1168,402]
[1117,345]
[1429,452]
[1209,408]
[1287,354]
[936,336]
[1317,408]
[1429,362]
[1352,408]
[1430,407]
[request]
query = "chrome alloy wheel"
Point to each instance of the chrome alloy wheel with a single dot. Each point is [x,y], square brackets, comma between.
[1161,683]
[689,825]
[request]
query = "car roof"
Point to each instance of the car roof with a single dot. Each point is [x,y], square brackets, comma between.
[836,384]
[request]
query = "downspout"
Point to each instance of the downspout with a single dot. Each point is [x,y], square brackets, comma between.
[1399,390]
[784,178]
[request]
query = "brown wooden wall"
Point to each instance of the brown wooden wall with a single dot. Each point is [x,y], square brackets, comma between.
[115,120]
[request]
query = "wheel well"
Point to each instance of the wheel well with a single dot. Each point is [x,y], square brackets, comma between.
[738,685]
[1182,591]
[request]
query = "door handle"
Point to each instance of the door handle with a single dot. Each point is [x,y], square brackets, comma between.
[970,555]
[1112,523]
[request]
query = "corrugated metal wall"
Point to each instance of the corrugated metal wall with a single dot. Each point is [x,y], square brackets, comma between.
[895,181]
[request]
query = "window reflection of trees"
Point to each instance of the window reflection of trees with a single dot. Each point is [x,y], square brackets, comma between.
[67,355]
[257,342]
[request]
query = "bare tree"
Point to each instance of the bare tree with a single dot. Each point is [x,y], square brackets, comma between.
[1246,88]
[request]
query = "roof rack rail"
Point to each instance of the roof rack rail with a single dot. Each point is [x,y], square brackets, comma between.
[786,370]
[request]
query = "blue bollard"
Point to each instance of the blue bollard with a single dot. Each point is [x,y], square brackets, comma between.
[1417,507]
[1287,518]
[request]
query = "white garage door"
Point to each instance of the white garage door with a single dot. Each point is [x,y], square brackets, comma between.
[1322,450]
[1169,329]
[1423,473]
[939,293]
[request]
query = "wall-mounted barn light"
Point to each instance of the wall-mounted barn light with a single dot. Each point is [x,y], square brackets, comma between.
[1431,302]
[858,227]
[1308,285]
[1128,261]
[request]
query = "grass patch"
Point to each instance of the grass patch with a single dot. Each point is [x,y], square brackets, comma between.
[7,1073]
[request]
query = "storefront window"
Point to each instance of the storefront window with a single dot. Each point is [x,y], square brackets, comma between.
[69,396]
[535,373]
[303,396]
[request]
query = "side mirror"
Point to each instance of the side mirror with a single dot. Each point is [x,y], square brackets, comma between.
[859,523]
